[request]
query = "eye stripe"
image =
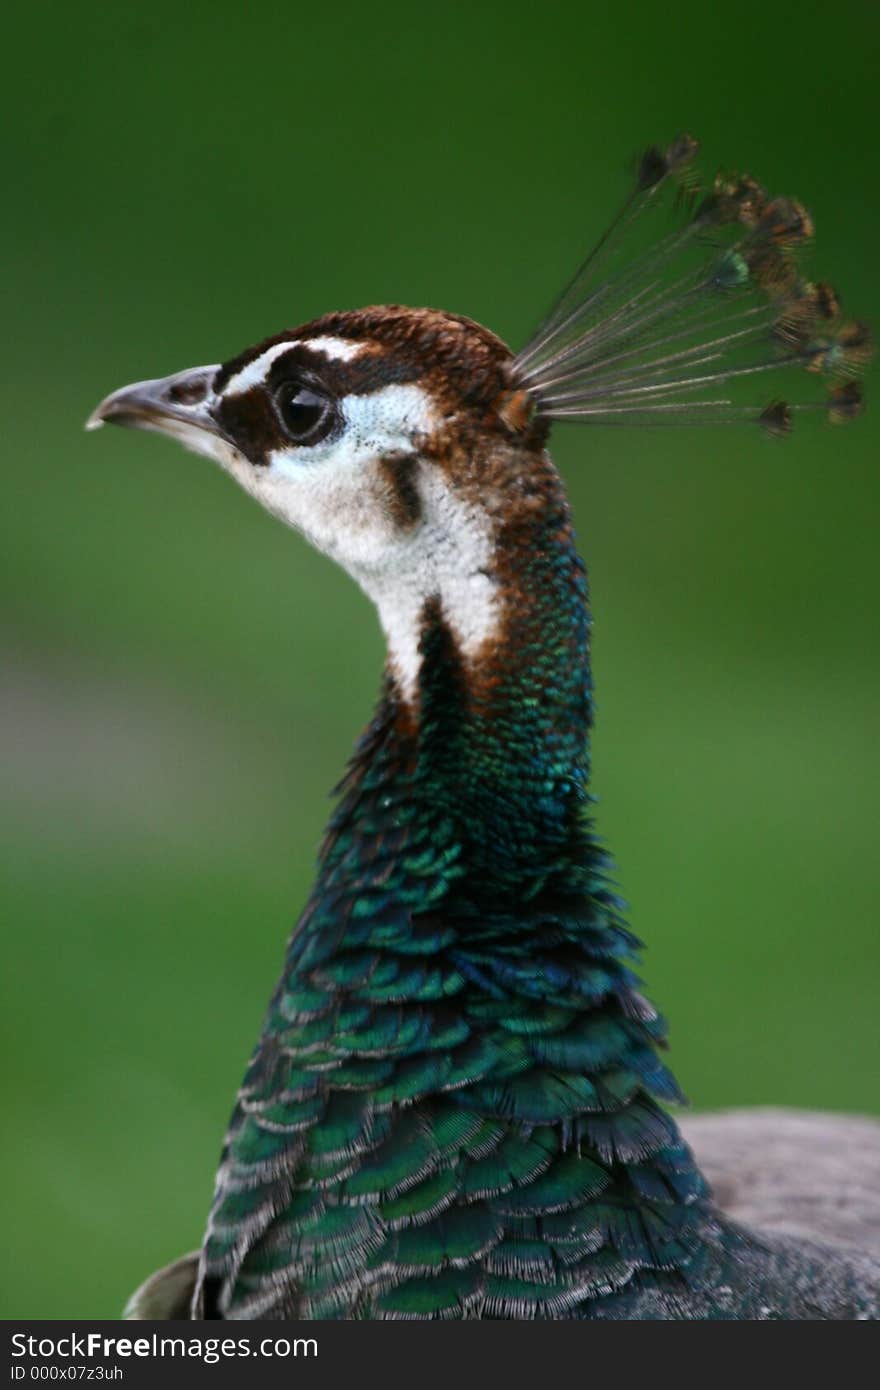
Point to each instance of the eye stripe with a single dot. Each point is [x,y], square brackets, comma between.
[249,421]
[255,372]
[294,358]
[341,349]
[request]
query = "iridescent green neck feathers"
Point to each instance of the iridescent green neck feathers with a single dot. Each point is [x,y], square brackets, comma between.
[453,1109]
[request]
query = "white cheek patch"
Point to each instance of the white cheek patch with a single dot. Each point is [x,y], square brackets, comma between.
[389,420]
[336,494]
[255,372]
[332,491]
[383,422]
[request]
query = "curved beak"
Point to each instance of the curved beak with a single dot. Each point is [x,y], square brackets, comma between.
[179,406]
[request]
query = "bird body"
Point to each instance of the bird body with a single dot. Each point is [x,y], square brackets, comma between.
[456,1107]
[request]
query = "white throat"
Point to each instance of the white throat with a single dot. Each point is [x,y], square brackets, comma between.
[450,558]
[337,495]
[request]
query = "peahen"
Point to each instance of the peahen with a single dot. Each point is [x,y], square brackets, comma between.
[457,1104]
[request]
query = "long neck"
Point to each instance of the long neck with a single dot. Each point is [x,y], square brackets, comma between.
[456,1064]
[491,748]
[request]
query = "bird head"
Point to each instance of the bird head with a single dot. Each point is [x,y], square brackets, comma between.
[396,440]
[408,443]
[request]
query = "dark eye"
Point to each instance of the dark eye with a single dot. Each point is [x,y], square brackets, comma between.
[306,414]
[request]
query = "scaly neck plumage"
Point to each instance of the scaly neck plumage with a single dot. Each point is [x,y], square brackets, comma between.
[498,743]
[457,1029]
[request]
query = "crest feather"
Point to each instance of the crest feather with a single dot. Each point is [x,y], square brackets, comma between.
[666,324]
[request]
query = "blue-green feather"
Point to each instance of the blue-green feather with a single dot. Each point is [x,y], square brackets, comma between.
[456,1105]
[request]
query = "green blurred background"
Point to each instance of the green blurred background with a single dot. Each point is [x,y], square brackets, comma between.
[182,678]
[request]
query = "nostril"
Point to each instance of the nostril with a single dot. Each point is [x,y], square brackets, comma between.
[187,392]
